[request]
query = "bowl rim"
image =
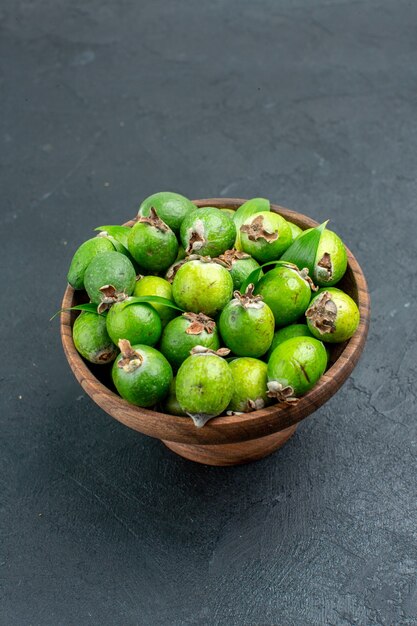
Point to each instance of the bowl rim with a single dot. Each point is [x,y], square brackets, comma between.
[233,428]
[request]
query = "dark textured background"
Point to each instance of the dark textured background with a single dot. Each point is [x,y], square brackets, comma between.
[312,104]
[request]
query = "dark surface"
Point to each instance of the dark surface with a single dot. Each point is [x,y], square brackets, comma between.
[312,104]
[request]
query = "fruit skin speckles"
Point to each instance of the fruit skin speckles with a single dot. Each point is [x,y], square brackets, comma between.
[183,333]
[111,269]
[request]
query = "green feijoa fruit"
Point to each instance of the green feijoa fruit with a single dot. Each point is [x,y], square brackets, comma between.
[294,368]
[250,385]
[152,243]
[332,316]
[331,260]
[288,332]
[92,340]
[183,333]
[156,286]
[207,231]
[83,257]
[202,286]
[171,404]
[110,271]
[265,236]
[247,324]
[240,265]
[171,208]
[141,374]
[204,385]
[138,323]
[295,230]
[287,292]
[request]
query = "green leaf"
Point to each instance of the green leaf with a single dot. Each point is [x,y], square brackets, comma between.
[119,233]
[303,250]
[255,275]
[248,208]
[90,307]
[152,300]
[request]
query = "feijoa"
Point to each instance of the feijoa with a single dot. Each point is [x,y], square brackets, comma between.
[171,208]
[207,231]
[83,257]
[156,286]
[294,368]
[331,260]
[250,385]
[246,324]
[240,265]
[265,236]
[184,333]
[171,404]
[287,291]
[204,385]
[202,286]
[110,269]
[92,340]
[288,332]
[332,316]
[152,243]
[138,323]
[141,374]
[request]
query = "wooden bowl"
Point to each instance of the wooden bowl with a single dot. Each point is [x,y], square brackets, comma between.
[226,440]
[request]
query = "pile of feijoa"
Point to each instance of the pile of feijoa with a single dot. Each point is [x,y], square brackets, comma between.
[208,311]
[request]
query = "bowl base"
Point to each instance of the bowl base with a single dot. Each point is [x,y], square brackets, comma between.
[232,453]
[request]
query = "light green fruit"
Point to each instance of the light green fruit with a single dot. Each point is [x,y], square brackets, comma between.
[332,316]
[250,385]
[295,230]
[245,211]
[265,236]
[92,340]
[152,243]
[294,367]
[207,231]
[202,287]
[171,208]
[156,286]
[287,292]
[246,325]
[331,260]
[83,257]
[109,268]
[204,387]
[141,374]
[171,404]
[186,332]
[138,323]
[288,332]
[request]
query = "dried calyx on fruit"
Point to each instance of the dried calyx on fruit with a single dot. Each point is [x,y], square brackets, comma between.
[199,323]
[152,243]
[183,333]
[131,359]
[208,231]
[240,265]
[153,220]
[110,296]
[281,393]
[322,313]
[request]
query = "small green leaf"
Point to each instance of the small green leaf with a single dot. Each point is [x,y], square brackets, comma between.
[303,250]
[119,233]
[255,275]
[90,307]
[248,208]
[152,299]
